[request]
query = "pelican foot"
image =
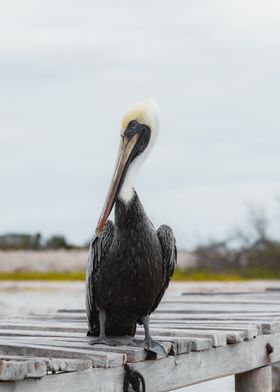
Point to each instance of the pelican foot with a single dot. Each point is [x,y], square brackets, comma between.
[112,341]
[150,345]
[103,340]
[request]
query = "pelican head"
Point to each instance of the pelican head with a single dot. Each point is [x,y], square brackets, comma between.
[139,129]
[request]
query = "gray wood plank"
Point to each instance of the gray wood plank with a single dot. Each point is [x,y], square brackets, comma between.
[179,345]
[14,368]
[222,300]
[185,324]
[167,374]
[242,332]
[218,338]
[98,358]
[266,326]
[220,308]
[133,354]
[38,333]
[268,323]
[55,327]
[257,380]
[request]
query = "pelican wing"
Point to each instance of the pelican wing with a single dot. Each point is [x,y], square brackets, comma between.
[169,255]
[98,249]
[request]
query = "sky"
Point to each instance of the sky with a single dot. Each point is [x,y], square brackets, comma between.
[69,70]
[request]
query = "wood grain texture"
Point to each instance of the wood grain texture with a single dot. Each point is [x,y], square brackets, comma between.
[98,358]
[257,380]
[166,374]
[18,368]
[206,337]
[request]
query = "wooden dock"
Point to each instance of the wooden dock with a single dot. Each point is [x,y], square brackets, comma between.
[207,336]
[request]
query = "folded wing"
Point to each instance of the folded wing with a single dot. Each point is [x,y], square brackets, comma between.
[169,256]
[98,249]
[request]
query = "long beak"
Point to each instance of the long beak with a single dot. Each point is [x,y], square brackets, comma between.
[126,148]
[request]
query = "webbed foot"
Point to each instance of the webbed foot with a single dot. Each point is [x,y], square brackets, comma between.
[103,340]
[150,345]
[112,341]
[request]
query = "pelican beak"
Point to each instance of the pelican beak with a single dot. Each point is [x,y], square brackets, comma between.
[123,160]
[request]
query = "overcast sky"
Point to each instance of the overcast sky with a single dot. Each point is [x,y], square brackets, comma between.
[70,69]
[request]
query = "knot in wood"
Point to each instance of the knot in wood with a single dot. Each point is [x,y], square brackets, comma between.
[269,349]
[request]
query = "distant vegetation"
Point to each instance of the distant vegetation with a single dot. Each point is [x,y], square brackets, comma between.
[253,253]
[15,241]
[44,275]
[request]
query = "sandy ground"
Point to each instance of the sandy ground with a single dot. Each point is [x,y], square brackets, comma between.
[29,296]
[60,260]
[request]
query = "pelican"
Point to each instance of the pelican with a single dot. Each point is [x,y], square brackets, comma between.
[130,263]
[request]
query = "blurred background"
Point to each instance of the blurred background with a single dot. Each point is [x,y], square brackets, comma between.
[68,73]
[69,70]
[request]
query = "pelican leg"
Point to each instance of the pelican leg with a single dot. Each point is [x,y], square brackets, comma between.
[148,338]
[102,339]
[148,343]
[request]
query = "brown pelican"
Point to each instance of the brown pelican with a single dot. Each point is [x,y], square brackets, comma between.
[130,263]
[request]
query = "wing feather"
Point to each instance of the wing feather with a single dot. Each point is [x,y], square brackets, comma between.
[98,249]
[169,255]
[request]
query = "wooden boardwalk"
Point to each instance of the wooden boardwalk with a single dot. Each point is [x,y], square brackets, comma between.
[206,336]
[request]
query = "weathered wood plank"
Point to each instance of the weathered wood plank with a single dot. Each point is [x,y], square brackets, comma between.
[184,324]
[194,312]
[262,323]
[14,368]
[167,374]
[71,310]
[182,343]
[245,332]
[217,362]
[220,308]
[38,333]
[54,364]
[191,313]
[133,354]
[223,300]
[55,327]
[98,358]
[268,324]
[251,330]
[257,380]
[218,338]
[179,345]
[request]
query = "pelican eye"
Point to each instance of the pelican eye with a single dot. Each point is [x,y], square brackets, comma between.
[131,124]
[132,128]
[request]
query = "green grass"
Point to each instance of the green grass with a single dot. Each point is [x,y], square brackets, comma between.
[202,275]
[49,275]
[236,274]
[195,274]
